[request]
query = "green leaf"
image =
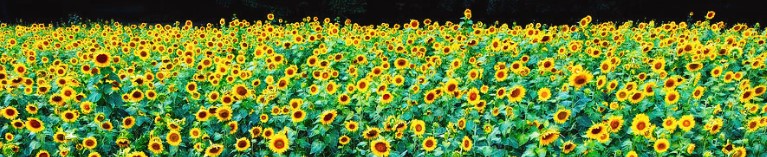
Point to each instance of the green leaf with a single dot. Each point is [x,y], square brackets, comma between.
[317,147]
[34,144]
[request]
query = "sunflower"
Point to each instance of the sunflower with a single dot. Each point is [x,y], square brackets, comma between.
[752,125]
[155,146]
[686,123]
[240,91]
[698,92]
[386,97]
[604,138]
[17,124]
[31,108]
[716,72]
[331,88]
[473,96]
[128,122]
[233,126]
[451,86]
[746,96]
[122,142]
[191,87]
[661,145]
[327,117]
[86,107]
[517,93]
[690,148]
[400,126]
[266,133]
[401,63]
[43,153]
[35,125]
[739,152]
[714,125]
[461,123]
[500,75]
[224,113]
[343,140]
[670,124]
[615,123]
[10,112]
[658,65]
[137,154]
[710,15]
[363,85]
[636,97]
[69,116]
[429,144]
[640,124]
[263,118]
[106,126]
[242,144]
[418,127]
[195,133]
[173,138]
[544,94]
[90,142]
[548,137]
[500,93]
[94,154]
[202,115]
[561,116]
[344,99]
[672,97]
[430,97]
[102,59]
[59,137]
[314,90]
[466,143]
[151,94]
[568,147]
[351,126]
[467,13]
[279,143]
[580,79]
[380,147]
[298,115]
[632,154]
[694,66]
[759,90]
[596,130]
[371,133]
[9,136]
[214,150]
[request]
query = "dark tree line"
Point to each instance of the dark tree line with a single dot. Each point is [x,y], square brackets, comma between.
[378,11]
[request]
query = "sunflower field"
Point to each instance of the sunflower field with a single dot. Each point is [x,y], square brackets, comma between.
[423,88]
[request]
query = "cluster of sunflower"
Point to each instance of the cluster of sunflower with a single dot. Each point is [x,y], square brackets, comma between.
[422,88]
